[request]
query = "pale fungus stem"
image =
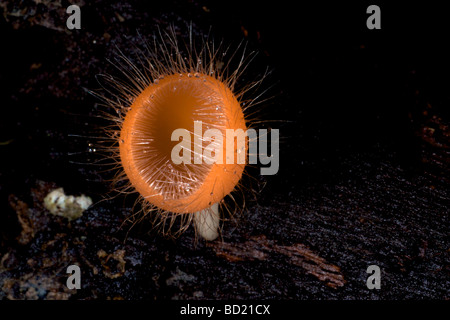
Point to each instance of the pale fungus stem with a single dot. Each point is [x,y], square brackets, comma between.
[207,222]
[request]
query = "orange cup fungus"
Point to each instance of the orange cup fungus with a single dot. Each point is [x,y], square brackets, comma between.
[176,101]
[171,91]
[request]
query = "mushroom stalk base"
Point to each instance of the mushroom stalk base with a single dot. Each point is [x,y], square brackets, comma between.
[207,222]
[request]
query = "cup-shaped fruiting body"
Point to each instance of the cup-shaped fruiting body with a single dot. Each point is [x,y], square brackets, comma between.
[178,87]
[175,102]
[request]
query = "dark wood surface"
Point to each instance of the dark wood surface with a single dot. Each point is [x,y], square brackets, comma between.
[364,164]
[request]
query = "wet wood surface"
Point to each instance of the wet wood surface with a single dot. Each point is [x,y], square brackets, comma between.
[364,162]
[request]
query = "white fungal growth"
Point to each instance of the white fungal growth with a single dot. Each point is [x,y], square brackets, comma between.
[207,222]
[70,207]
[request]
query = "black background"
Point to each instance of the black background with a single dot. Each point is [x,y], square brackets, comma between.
[351,103]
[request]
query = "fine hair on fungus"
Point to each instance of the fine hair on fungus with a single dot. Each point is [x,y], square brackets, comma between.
[173,84]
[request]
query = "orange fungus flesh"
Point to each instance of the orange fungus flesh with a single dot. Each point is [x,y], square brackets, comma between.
[176,102]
